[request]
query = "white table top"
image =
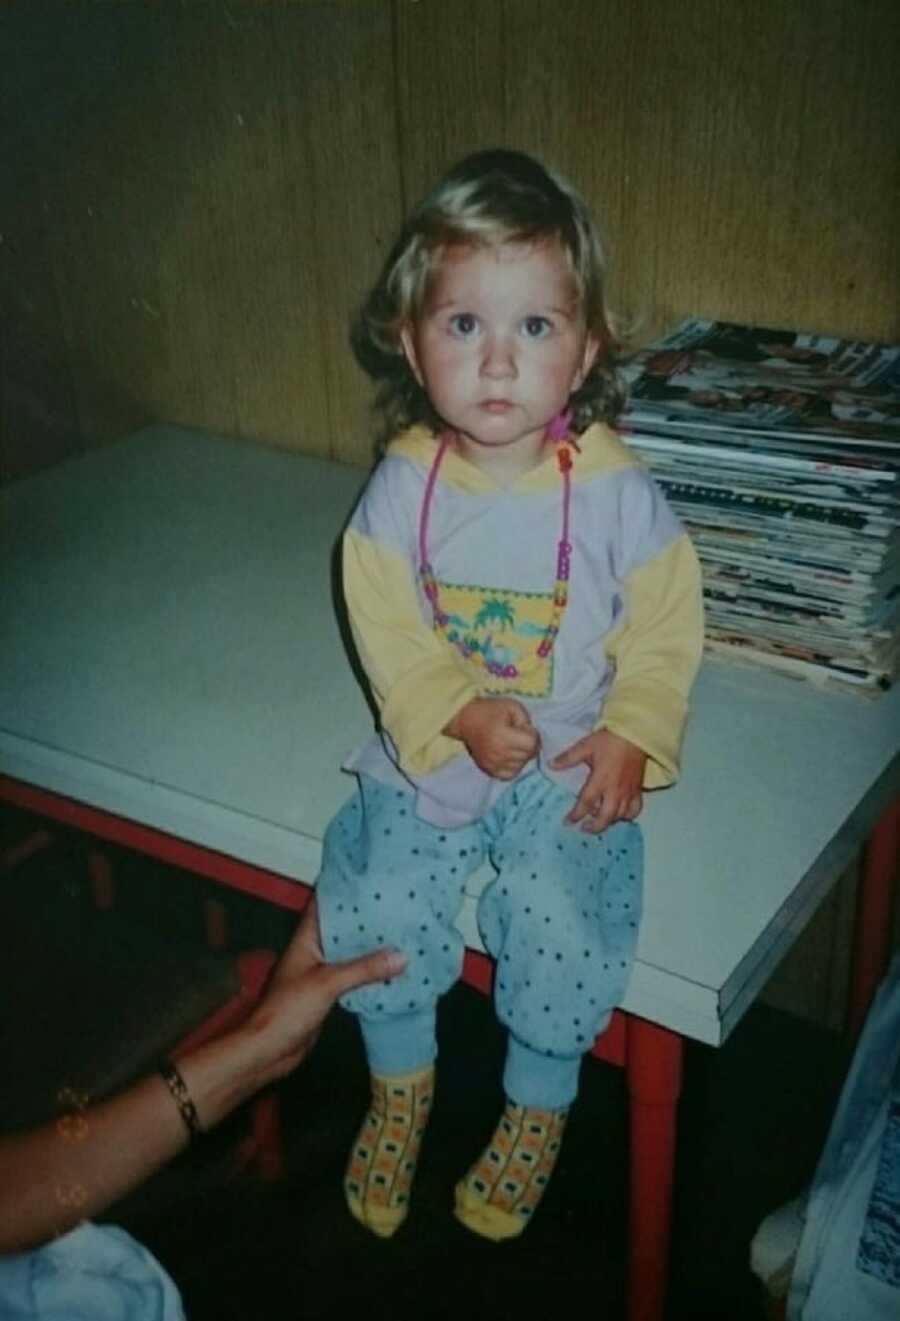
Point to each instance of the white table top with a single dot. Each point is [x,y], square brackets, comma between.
[170,653]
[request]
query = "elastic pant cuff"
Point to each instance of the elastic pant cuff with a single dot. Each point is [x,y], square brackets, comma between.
[401,1044]
[546,1082]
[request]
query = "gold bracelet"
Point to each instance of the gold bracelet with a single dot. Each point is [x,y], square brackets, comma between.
[182,1098]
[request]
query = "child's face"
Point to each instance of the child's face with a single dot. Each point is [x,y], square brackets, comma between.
[499,348]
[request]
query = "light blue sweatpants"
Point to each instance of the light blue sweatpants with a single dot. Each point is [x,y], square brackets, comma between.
[560,918]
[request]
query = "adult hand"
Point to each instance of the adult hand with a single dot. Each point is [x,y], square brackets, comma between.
[118,1143]
[498,734]
[612,791]
[304,988]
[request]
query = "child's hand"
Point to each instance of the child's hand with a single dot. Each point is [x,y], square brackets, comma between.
[498,734]
[612,791]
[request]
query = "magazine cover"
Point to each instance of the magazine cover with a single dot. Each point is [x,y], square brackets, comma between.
[773,380]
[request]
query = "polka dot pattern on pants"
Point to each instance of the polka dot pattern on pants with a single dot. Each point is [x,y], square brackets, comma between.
[561,916]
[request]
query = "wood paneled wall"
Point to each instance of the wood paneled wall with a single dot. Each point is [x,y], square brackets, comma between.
[204,191]
[196,195]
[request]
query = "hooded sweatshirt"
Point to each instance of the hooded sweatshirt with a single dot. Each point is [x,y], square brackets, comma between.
[629,641]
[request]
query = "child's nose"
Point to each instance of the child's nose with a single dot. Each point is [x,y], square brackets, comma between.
[498,361]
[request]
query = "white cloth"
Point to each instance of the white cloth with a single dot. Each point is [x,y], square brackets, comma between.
[848,1263]
[93,1273]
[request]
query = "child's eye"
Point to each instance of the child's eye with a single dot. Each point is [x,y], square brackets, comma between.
[535,327]
[463,324]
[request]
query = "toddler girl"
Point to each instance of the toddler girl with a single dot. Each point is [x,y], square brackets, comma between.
[528,613]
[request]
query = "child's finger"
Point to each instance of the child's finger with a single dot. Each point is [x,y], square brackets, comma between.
[571,756]
[612,809]
[518,717]
[589,801]
[602,819]
[634,808]
[521,742]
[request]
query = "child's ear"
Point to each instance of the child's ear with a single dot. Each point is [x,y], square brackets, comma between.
[589,357]
[408,344]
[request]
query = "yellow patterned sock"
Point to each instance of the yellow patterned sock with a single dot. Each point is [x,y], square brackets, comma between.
[501,1191]
[383,1157]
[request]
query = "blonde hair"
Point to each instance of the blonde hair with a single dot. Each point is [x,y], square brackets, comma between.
[489,198]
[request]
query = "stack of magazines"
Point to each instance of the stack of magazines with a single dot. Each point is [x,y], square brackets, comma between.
[780,451]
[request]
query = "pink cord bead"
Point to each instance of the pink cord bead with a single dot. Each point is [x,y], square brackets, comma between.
[559,427]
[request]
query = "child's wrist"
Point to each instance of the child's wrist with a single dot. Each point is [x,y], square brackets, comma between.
[455,727]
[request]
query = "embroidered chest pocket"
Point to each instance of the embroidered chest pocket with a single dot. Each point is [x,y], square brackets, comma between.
[506,636]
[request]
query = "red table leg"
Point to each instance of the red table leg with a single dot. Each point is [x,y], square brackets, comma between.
[36,841]
[215,922]
[874,901]
[653,1068]
[103,881]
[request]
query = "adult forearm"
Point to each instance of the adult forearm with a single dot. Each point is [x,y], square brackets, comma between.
[67,1171]
[64,1172]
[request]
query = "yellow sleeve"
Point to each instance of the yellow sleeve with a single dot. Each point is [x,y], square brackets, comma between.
[656,652]
[415,679]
